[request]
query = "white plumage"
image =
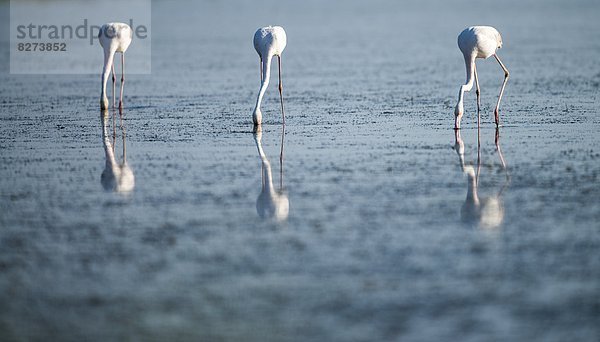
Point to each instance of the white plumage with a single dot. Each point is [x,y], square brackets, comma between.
[113,37]
[478,42]
[268,41]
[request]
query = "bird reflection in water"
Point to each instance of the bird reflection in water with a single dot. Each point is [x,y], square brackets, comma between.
[116,176]
[485,212]
[271,203]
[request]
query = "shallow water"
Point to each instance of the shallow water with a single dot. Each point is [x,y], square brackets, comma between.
[375,247]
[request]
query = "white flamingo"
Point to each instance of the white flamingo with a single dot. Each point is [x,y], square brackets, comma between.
[478,42]
[113,37]
[268,41]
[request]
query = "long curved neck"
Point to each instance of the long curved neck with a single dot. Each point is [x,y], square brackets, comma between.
[266,76]
[108,62]
[470,68]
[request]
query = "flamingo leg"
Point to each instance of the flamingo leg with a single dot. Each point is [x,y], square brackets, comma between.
[114,79]
[281,89]
[261,70]
[281,157]
[114,133]
[478,92]
[478,155]
[122,79]
[506,75]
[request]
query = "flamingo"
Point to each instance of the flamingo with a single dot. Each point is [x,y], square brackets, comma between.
[113,37]
[268,41]
[271,203]
[116,176]
[478,42]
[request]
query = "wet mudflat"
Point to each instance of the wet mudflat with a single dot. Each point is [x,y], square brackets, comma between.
[381,241]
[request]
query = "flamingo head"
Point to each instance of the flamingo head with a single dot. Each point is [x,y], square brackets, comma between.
[499,41]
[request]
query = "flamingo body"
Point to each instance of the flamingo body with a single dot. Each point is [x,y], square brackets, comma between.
[268,42]
[478,42]
[113,37]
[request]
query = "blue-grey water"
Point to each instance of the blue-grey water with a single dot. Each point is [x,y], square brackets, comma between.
[377,245]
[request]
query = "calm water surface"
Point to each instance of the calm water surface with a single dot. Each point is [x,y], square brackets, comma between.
[381,240]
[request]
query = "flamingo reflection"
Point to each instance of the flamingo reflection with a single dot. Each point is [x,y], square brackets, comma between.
[484,211]
[271,203]
[116,176]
